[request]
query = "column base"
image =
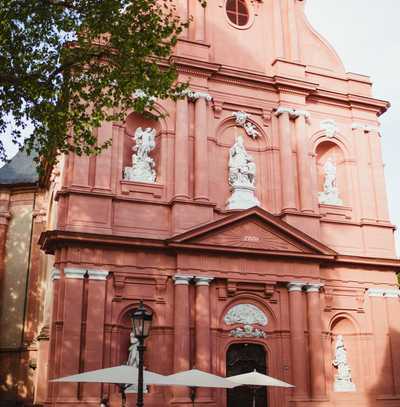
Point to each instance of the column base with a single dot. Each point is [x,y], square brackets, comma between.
[181,402]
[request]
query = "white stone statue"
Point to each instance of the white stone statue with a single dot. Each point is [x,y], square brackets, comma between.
[343,379]
[242,172]
[142,169]
[133,358]
[330,195]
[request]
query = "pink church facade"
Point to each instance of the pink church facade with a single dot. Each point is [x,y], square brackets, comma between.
[262,239]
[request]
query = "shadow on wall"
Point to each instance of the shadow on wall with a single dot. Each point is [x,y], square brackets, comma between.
[16,353]
[386,390]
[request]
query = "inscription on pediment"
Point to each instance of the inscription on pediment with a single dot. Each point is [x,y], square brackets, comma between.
[249,235]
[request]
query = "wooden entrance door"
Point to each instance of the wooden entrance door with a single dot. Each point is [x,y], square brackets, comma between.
[244,358]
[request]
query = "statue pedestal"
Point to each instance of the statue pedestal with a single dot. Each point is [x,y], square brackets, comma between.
[242,198]
[332,198]
[343,386]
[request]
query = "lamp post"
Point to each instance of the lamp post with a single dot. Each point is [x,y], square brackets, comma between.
[141,320]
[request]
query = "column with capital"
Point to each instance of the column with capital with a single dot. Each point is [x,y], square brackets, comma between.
[94,334]
[203,333]
[286,158]
[73,282]
[181,161]
[315,341]
[304,162]
[297,339]
[201,147]
[181,335]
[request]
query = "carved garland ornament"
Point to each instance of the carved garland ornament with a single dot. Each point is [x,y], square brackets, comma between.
[247,315]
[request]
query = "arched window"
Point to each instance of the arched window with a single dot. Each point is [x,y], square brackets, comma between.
[237,12]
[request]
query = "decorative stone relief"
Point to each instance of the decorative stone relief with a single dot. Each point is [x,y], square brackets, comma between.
[247,332]
[343,380]
[330,195]
[246,314]
[242,172]
[142,169]
[330,127]
[242,121]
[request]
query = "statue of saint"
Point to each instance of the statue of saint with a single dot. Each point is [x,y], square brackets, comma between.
[242,169]
[330,195]
[142,169]
[343,379]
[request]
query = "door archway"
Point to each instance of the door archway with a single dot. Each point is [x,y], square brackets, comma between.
[244,358]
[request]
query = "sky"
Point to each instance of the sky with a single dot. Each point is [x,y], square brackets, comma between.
[366,35]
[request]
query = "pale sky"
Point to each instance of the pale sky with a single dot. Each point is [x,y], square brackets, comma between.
[366,35]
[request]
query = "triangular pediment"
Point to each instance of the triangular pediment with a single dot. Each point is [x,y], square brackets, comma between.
[253,230]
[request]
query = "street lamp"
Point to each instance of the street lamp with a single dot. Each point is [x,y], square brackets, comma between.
[141,319]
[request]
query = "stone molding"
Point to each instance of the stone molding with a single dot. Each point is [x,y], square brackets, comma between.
[75,273]
[193,95]
[293,113]
[55,274]
[100,275]
[313,287]
[384,292]
[296,286]
[203,281]
[182,279]
[364,127]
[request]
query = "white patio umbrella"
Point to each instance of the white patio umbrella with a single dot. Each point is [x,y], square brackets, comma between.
[198,378]
[122,374]
[255,380]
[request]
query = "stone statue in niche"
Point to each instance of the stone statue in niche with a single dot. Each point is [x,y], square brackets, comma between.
[343,379]
[133,358]
[242,172]
[330,195]
[143,166]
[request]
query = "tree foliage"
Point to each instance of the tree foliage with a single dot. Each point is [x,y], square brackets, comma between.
[68,65]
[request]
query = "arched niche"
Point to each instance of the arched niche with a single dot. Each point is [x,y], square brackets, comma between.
[125,325]
[132,122]
[330,150]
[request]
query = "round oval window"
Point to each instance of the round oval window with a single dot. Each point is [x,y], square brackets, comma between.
[237,12]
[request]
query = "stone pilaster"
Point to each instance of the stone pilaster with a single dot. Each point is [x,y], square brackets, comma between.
[297,339]
[304,163]
[181,160]
[203,333]
[318,390]
[286,159]
[181,335]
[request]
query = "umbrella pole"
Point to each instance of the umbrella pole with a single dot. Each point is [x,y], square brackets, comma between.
[254,396]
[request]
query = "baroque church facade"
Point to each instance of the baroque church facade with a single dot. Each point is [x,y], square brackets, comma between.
[251,219]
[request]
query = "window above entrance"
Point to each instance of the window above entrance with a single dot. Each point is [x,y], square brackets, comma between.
[238,12]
